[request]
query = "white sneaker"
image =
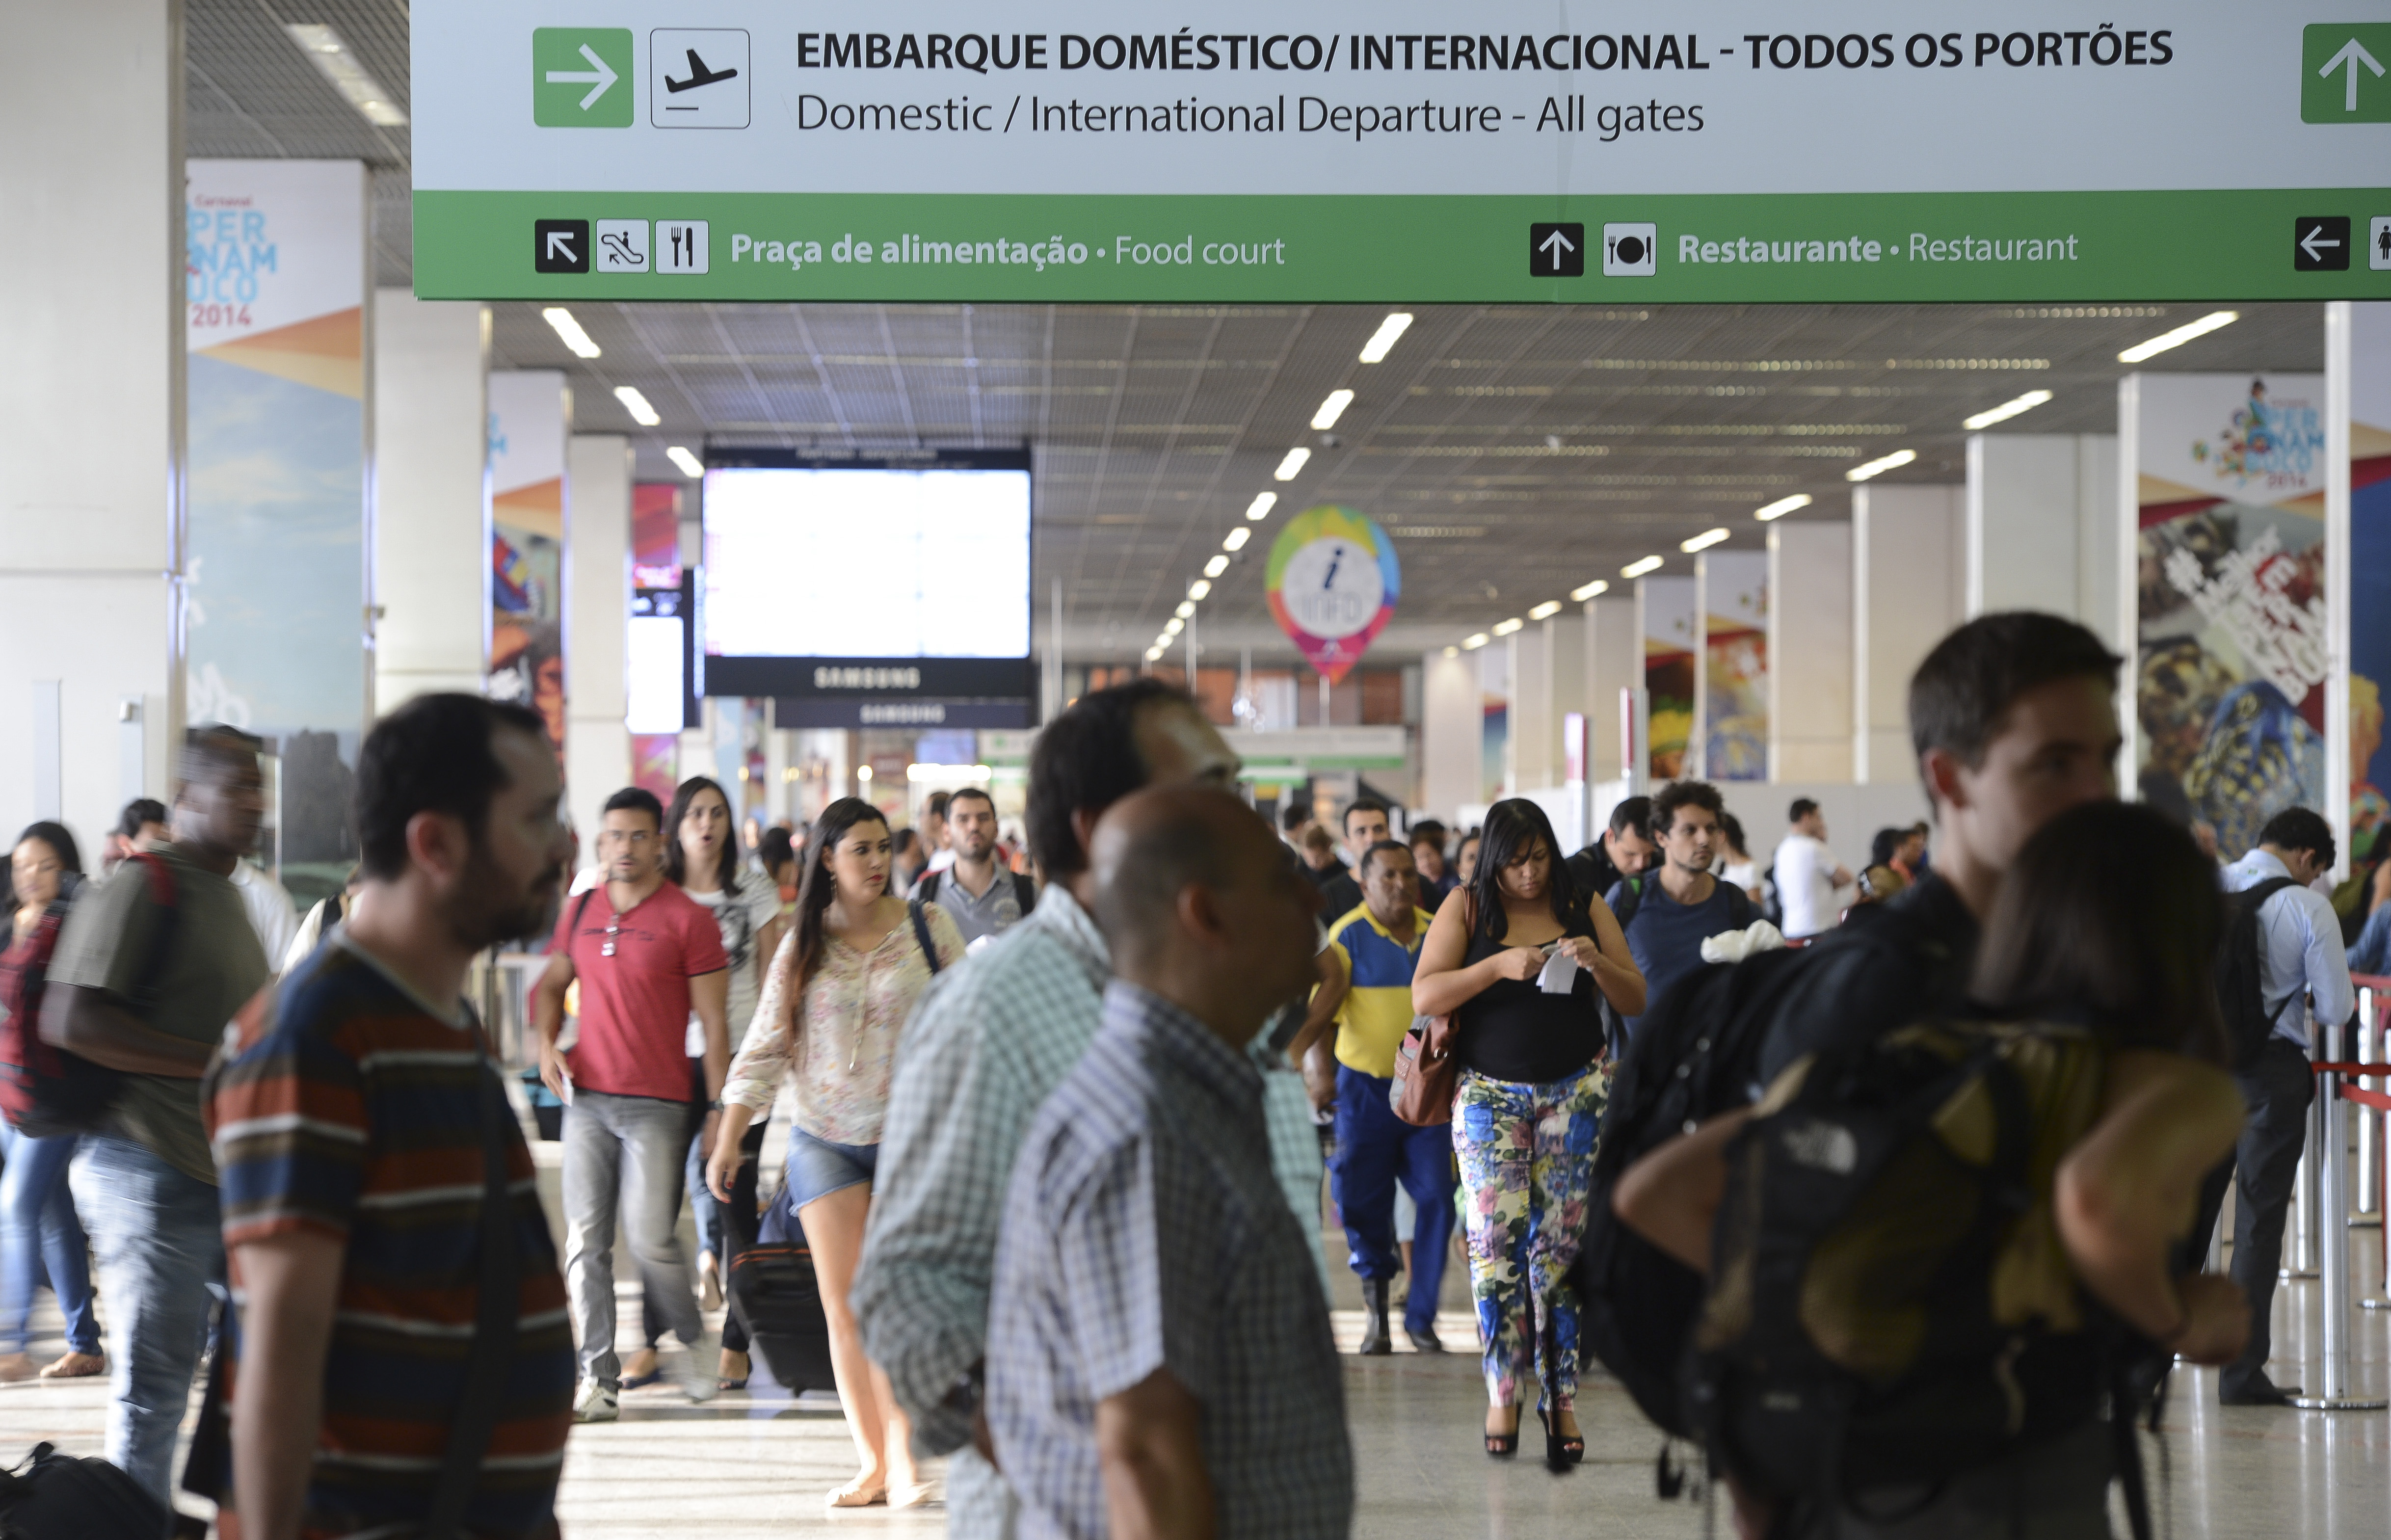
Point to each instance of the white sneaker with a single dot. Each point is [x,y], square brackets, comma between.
[595,1403]
[699,1378]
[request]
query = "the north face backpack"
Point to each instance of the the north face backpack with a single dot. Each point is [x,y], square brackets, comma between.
[1888,1304]
[2240,992]
[55,1497]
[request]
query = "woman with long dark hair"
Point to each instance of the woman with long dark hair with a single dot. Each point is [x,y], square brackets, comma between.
[1516,958]
[841,986]
[39,1232]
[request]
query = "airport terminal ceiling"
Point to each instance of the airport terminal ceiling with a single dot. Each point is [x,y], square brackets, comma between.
[1514,452]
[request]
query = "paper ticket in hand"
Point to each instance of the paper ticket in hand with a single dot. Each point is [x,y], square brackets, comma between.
[1560,974]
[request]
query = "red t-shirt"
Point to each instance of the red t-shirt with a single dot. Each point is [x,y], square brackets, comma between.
[635,1005]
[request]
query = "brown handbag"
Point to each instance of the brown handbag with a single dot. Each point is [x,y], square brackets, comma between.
[1427,1075]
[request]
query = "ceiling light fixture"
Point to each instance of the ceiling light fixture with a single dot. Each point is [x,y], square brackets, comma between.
[1382,340]
[637,404]
[1200,590]
[690,466]
[1292,466]
[1546,610]
[1237,538]
[2179,336]
[1331,409]
[1216,566]
[2006,410]
[1504,628]
[1599,586]
[1637,569]
[1703,541]
[562,320]
[1173,626]
[1260,508]
[1472,643]
[1781,507]
[1453,651]
[1892,461]
[1153,655]
[1186,608]
[328,52]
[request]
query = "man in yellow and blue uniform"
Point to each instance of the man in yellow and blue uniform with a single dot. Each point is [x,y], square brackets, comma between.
[1379,943]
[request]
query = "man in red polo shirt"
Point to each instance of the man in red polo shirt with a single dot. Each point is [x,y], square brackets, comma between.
[646,955]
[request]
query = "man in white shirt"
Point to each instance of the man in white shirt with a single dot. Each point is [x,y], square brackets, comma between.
[270,912]
[2300,957]
[1810,882]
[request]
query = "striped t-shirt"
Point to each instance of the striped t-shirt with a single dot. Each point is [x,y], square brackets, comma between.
[348,1105]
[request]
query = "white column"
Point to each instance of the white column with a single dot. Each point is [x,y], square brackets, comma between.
[1452,720]
[1810,652]
[1535,736]
[1614,661]
[597,616]
[1565,667]
[1908,591]
[432,539]
[91,405]
[2042,526]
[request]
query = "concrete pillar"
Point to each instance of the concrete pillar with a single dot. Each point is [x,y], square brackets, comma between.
[91,408]
[1451,722]
[1908,589]
[1614,661]
[1810,651]
[596,617]
[1565,655]
[432,541]
[1535,732]
[2042,526]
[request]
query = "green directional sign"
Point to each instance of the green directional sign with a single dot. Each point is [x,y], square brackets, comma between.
[2346,72]
[581,77]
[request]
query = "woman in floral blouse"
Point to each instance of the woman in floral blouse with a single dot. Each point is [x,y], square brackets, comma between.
[842,984]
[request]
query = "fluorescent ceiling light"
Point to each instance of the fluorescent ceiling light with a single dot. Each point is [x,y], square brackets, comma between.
[1703,541]
[1599,586]
[1216,566]
[2006,410]
[1331,409]
[690,466]
[1453,651]
[1781,507]
[1475,643]
[1637,569]
[328,52]
[637,404]
[1200,590]
[570,330]
[1504,628]
[1174,627]
[1548,608]
[1260,508]
[1237,538]
[2179,336]
[1186,608]
[1153,653]
[1382,340]
[1892,461]
[1291,467]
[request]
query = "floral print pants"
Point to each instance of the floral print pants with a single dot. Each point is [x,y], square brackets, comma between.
[1527,1158]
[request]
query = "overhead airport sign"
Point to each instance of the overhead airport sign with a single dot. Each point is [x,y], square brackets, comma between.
[1330,149]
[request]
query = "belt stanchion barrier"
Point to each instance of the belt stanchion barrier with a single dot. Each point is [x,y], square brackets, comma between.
[2299,1225]
[2368,1087]
[2368,1210]
[2329,1143]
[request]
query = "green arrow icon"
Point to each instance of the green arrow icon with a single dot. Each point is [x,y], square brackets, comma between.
[2344,72]
[581,77]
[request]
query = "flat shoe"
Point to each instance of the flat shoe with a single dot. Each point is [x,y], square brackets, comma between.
[75,1366]
[909,1496]
[855,1495]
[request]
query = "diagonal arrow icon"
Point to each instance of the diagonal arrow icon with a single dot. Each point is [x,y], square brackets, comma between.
[2353,54]
[600,77]
[559,247]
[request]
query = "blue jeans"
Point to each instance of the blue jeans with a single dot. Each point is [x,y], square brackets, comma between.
[39,1234]
[1374,1150]
[158,1238]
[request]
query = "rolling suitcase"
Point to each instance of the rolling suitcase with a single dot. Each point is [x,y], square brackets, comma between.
[772,1286]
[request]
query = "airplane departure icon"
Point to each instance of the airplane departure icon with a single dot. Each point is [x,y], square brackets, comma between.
[698,75]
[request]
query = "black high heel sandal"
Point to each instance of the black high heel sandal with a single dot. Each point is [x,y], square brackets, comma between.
[1560,1453]
[1502,1446]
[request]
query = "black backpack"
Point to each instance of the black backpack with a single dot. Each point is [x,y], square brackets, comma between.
[2240,992]
[1741,914]
[1025,889]
[55,1497]
[1849,1340]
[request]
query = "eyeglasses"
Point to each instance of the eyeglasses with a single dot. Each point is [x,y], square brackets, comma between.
[613,930]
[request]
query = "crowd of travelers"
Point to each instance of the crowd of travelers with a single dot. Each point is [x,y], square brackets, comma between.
[1887,1191]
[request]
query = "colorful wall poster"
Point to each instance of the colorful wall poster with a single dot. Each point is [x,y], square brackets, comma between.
[1665,615]
[1494,722]
[2231,647]
[2369,571]
[274,281]
[529,411]
[1734,664]
[1332,582]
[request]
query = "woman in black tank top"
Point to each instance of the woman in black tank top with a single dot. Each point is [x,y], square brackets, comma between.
[1529,1100]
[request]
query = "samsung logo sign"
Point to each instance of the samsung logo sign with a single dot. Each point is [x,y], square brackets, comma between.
[927,713]
[867,679]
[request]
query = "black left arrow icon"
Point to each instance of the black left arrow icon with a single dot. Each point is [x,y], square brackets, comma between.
[698,75]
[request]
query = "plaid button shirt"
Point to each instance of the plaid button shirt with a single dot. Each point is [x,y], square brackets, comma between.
[1144,1230]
